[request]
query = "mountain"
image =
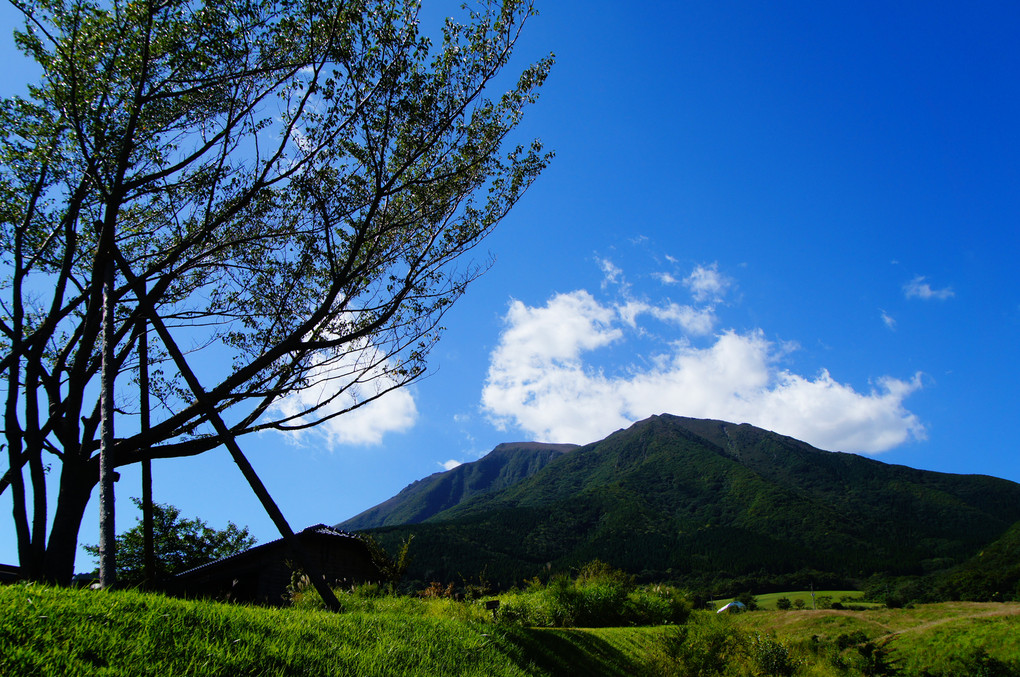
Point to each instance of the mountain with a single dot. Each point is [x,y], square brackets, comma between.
[993,574]
[504,466]
[703,503]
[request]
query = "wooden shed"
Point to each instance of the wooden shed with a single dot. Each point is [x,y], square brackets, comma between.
[261,574]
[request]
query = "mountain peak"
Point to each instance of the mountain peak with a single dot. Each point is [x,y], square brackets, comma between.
[689,500]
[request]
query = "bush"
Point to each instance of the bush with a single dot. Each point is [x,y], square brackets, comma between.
[784,604]
[436,590]
[975,663]
[599,597]
[703,647]
[853,653]
[748,600]
[769,656]
[657,605]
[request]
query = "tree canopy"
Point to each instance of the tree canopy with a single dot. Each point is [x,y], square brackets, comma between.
[290,191]
[181,543]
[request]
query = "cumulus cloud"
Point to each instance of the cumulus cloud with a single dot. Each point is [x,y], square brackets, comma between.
[919,289]
[363,372]
[697,321]
[450,465]
[544,380]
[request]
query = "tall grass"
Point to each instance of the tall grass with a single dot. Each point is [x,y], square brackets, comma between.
[372,599]
[983,646]
[46,631]
[599,597]
[49,631]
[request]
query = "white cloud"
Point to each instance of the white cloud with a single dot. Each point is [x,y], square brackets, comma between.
[889,320]
[393,411]
[697,321]
[665,278]
[568,325]
[919,289]
[450,465]
[707,283]
[543,379]
[611,273]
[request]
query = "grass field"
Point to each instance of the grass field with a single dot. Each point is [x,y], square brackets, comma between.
[810,599]
[49,631]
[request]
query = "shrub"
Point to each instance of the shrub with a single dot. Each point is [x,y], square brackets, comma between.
[769,656]
[436,590]
[748,600]
[703,647]
[845,641]
[974,663]
[784,604]
[657,605]
[853,653]
[599,597]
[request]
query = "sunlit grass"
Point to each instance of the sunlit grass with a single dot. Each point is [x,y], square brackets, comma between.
[46,631]
[811,600]
[52,631]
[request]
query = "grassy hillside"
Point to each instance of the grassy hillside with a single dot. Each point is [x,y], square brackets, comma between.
[718,506]
[47,631]
[61,632]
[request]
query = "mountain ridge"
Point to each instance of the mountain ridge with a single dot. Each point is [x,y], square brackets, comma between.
[505,465]
[695,501]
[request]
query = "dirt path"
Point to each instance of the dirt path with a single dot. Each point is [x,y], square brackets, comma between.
[1006,610]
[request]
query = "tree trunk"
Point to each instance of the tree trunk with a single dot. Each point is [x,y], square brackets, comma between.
[77,479]
[107,526]
[148,545]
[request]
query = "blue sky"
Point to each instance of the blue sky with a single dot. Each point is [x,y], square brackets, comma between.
[799,215]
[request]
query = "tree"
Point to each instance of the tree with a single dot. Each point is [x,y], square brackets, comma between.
[748,600]
[179,544]
[290,191]
[392,567]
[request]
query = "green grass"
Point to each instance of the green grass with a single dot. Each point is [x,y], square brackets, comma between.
[951,638]
[614,652]
[46,631]
[52,631]
[768,601]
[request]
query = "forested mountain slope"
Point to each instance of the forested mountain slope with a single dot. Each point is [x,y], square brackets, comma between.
[698,501]
[504,466]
